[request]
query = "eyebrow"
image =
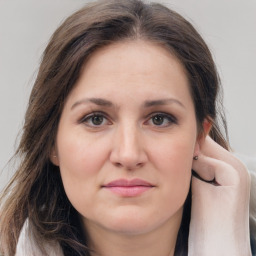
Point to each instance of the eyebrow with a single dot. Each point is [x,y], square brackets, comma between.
[160,102]
[107,103]
[96,101]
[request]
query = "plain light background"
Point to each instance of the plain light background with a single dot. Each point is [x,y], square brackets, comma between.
[228,27]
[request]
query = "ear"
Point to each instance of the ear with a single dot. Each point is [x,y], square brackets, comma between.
[54,157]
[207,125]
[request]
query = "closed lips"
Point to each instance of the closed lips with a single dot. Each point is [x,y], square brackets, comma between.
[128,183]
[128,188]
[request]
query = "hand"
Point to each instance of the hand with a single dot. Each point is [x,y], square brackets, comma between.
[220,204]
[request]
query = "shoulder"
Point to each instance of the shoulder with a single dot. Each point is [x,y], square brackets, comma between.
[27,245]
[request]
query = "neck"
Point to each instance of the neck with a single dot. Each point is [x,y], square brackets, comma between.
[158,242]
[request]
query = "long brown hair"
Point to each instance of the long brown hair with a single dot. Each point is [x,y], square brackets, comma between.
[36,191]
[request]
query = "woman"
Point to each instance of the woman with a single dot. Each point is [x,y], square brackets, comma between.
[118,117]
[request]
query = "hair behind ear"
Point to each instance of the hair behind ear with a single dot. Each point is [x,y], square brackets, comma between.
[217,136]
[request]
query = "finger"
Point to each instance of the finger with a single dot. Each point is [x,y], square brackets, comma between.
[198,185]
[210,169]
[211,149]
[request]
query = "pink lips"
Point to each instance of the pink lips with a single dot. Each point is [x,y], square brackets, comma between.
[128,188]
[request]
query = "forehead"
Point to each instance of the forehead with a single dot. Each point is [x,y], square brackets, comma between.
[140,68]
[134,56]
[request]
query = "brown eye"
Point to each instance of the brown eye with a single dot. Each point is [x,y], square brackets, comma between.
[161,120]
[158,119]
[97,120]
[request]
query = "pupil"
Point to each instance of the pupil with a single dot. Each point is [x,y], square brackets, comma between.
[97,120]
[158,120]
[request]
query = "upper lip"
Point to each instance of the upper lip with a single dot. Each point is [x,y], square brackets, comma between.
[128,183]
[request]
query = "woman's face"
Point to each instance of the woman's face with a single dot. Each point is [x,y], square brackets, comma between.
[126,139]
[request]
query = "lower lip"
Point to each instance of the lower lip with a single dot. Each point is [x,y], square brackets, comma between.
[129,191]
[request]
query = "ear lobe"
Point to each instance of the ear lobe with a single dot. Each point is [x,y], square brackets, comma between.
[54,157]
[197,149]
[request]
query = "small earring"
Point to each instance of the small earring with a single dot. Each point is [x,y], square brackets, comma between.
[54,156]
[195,157]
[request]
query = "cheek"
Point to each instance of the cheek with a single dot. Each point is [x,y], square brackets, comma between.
[77,155]
[174,161]
[79,166]
[174,154]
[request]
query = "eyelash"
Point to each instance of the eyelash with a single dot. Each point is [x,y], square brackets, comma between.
[170,119]
[87,119]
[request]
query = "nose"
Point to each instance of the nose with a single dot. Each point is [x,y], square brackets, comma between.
[128,150]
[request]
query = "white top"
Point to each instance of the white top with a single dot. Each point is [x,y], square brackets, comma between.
[27,246]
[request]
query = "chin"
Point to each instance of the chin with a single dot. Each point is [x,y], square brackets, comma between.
[133,221]
[131,227]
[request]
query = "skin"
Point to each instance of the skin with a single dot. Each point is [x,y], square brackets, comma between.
[129,140]
[220,210]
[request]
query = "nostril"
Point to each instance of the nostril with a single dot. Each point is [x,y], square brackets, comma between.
[128,166]
[118,165]
[139,164]
[133,167]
